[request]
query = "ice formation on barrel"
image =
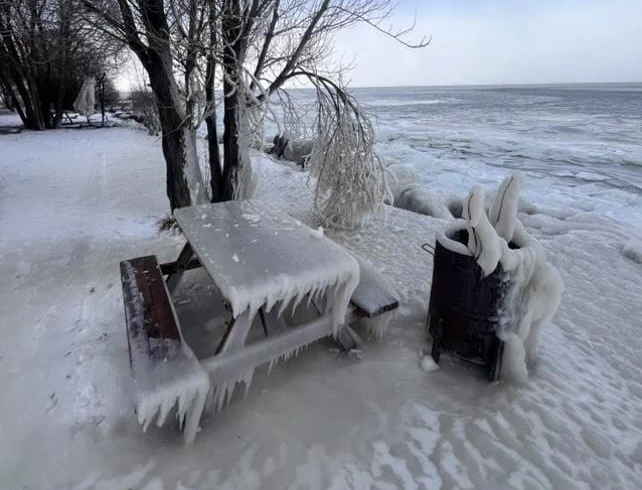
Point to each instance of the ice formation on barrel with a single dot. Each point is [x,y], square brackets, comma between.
[483,241]
[503,213]
[534,287]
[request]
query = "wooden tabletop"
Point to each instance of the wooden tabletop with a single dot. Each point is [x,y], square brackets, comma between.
[257,255]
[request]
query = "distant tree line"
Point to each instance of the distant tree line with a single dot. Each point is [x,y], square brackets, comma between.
[46,50]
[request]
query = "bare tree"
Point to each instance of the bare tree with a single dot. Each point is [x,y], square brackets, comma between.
[274,42]
[167,39]
[249,48]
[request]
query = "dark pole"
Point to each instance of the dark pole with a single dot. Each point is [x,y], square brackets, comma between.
[101,96]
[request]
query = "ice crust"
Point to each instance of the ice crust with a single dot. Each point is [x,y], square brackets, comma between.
[483,241]
[503,213]
[428,364]
[534,293]
[632,250]
[336,423]
[534,287]
[275,259]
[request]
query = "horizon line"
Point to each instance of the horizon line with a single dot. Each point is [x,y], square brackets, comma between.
[517,84]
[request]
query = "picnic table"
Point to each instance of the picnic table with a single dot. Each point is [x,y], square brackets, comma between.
[262,261]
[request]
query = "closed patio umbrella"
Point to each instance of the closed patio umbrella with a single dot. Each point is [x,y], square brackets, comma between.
[86,98]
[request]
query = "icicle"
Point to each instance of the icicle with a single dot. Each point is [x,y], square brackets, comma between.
[297,301]
[165,407]
[253,309]
[269,304]
[148,415]
[141,413]
[195,412]
[182,408]
[272,364]
[229,391]
[281,308]
[247,379]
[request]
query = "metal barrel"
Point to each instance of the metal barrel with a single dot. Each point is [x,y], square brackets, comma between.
[463,311]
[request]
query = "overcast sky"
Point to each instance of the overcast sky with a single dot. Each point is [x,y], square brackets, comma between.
[502,41]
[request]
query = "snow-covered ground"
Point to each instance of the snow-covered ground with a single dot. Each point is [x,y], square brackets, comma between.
[74,203]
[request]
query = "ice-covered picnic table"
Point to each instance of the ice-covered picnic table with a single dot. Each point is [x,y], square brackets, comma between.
[258,257]
[261,261]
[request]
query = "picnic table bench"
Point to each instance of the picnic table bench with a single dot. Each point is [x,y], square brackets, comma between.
[261,261]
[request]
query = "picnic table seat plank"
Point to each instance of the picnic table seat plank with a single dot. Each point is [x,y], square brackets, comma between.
[155,310]
[373,295]
[165,371]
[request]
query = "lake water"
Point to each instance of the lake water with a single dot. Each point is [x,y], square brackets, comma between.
[579,146]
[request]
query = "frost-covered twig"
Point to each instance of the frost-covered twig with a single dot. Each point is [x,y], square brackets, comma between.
[351,183]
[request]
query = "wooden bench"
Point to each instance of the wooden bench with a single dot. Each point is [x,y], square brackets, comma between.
[159,361]
[148,309]
[10,129]
[371,304]
[373,295]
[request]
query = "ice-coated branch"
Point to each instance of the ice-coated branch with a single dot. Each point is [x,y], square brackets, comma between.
[351,183]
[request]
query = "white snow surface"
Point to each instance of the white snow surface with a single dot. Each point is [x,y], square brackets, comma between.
[73,203]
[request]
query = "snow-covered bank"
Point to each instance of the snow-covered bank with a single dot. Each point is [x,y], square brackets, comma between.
[74,203]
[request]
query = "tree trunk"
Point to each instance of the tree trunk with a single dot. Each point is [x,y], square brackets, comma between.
[216,170]
[237,171]
[185,186]
[30,105]
[231,148]
[101,98]
[238,181]
[216,173]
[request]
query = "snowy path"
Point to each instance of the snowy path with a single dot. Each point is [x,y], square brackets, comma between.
[74,203]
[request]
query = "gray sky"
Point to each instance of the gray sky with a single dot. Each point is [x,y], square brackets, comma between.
[502,41]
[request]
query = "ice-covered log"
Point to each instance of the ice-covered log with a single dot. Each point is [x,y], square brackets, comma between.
[419,199]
